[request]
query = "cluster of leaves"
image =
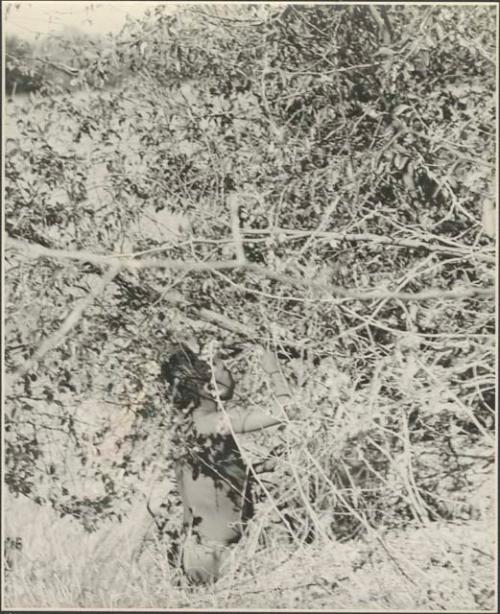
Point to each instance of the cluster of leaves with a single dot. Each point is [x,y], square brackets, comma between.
[360,143]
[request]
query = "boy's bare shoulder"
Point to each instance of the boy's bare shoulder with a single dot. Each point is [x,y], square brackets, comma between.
[206,423]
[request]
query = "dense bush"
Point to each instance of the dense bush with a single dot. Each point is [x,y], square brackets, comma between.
[355,146]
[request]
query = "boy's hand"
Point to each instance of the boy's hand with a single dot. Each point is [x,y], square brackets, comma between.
[269,362]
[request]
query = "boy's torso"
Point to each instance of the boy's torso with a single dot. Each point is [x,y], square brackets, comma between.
[214,484]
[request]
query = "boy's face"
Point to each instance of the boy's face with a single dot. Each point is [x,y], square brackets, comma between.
[224,380]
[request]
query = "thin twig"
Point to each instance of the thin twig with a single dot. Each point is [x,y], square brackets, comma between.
[233,200]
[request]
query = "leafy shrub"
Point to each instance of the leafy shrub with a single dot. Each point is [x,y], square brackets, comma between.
[357,145]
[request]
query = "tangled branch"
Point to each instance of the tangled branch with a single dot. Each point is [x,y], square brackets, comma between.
[69,323]
[38,251]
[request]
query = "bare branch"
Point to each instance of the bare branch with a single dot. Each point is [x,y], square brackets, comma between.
[208,315]
[465,251]
[257,235]
[38,251]
[67,70]
[70,322]
[33,250]
[372,294]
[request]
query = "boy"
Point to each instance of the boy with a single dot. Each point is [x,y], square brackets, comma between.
[213,480]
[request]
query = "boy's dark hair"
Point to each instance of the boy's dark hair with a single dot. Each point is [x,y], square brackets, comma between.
[186,374]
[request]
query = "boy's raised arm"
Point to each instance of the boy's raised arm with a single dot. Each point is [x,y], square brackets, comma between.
[246,421]
[271,367]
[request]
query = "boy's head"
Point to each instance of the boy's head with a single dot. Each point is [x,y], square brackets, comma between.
[190,378]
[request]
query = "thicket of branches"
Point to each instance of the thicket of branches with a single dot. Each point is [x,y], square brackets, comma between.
[333,170]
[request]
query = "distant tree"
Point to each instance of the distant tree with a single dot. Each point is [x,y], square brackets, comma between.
[52,61]
[21,72]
